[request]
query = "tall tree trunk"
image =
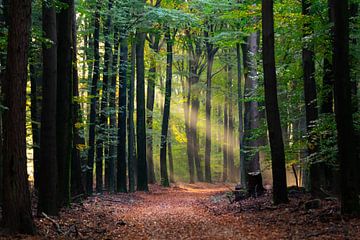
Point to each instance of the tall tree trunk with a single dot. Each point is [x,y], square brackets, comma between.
[3,25]
[48,184]
[121,159]
[211,51]
[102,140]
[347,154]
[187,96]
[77,186]
[231,164]
[210,62]
[225,143]
[131,135]
[165,123]
[353,15]
[170,158]
[112,105]
[272,107]
[17,216]
[251,112]
[154,45]
[193,121]
[94,92]
[240,112]
[64,102]
[142,178]
[316,169]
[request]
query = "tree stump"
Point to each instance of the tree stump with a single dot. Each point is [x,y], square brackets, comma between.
[255,184]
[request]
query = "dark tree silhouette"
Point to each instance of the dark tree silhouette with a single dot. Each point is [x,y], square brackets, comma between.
[17,215]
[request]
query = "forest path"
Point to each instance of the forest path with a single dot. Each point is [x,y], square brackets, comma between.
[179,212]
[184,211]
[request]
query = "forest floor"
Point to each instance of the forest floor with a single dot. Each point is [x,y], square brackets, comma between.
[195,211]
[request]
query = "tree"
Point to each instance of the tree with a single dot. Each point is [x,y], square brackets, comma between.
[48,181]
[131,130]
[347,155]
[17,215]
[121,167]
[211,51]
[77,186]
[311,103]
[271,104]
[251,111]
[64,101]
[142,178]
[112,128]
[94,90]
[165,123]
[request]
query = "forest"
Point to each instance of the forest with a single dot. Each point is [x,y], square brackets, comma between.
[179,119]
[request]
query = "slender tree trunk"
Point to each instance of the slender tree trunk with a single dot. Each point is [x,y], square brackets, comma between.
[64,102]
[112,105]
[48,184]
[231,164]
[349,167]
[210,61]
[165,123]
[102,140]
[94,92]
[225,143]
[316,169]
[251,112]
[271,103]
[150,108]
[16,209]
[77,186]
[170,157]
[131,135]
[142,178]
[121,167]
[187,96]
[240,112]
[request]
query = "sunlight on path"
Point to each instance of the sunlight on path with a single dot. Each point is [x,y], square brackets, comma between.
[178,213]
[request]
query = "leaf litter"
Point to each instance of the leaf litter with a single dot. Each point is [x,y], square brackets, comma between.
[194,211]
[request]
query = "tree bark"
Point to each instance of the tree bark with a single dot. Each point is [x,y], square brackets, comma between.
[165,123]
[142,178]
[131,135]
[48,184]
[64,102]
[17,216]
[225,143]
[121,167]
[251,112]
[347,154]
[271,103]
[240,112]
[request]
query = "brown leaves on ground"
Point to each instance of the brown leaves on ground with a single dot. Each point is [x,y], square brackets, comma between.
[195,211]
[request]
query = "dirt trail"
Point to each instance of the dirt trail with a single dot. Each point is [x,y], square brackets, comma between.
[193,211]
[176,213]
